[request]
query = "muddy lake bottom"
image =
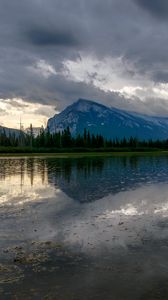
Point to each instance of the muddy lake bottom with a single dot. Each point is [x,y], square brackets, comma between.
[84,228]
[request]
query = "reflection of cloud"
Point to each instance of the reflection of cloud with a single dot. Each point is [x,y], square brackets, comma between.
[162,209]
[116,220]
[17,190]
[23,182]
[128,210]
[120,220]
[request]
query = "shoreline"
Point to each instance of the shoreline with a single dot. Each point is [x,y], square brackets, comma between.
[85,154]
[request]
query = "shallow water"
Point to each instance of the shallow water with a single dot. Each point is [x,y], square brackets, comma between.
[90,228]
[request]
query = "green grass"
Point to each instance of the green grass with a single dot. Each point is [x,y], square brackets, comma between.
[80,152]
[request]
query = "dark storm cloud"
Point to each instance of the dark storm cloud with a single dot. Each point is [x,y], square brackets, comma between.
[161,76]
[58,30]
[157,7]
[48,37]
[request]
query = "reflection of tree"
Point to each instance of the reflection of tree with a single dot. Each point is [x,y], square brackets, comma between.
[42,170]
[124,161]
[2,170]
[87,179]
[67,169]
[25,168]
[22,172]
[30,170]
[37,167]
[90,179]
[133,161]
[87,167]
[9,167]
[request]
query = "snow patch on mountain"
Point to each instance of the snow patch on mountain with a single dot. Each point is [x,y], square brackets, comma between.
[109,122]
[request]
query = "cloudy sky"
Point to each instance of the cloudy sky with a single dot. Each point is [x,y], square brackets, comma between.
[56,51]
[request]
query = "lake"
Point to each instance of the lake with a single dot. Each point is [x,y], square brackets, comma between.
[84,228]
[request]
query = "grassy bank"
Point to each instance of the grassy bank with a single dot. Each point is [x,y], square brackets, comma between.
[78,152]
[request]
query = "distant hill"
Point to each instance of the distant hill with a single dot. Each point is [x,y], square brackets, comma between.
[36,131]
[109,122]
[9,131]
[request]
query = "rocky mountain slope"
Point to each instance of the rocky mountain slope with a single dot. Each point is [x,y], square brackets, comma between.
[9,131]
[109,122]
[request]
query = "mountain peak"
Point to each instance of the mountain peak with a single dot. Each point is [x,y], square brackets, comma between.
[86,105]
[109,122]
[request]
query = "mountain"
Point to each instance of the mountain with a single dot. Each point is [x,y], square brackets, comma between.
[36,131]
[9,131]
[109,122]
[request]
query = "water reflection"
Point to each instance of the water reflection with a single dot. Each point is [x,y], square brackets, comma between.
[22,181]
[83,180]
[113,211]
[87,180]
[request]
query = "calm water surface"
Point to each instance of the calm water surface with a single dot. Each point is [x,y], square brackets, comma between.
[84,228]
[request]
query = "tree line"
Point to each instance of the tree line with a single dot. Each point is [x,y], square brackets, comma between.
[64,139]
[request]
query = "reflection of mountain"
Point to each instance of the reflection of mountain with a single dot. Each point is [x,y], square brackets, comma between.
[86,179]
[90,179]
